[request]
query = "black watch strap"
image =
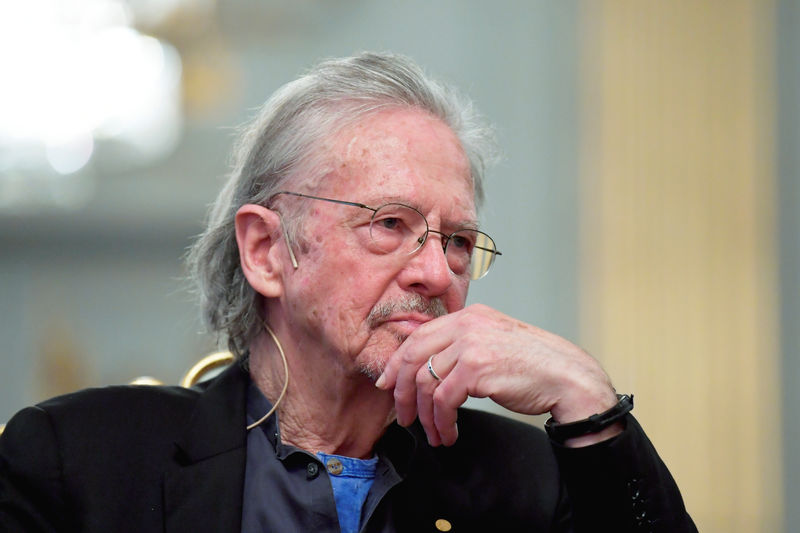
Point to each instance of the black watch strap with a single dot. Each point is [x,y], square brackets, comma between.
[561,432]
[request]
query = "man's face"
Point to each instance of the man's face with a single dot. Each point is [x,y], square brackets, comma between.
[347,299]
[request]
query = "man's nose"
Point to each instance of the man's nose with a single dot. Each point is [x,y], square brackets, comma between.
[427,271]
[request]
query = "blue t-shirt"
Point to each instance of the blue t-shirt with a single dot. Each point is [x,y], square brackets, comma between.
[351,480]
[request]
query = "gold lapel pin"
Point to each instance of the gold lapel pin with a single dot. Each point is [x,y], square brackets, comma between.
[443,525]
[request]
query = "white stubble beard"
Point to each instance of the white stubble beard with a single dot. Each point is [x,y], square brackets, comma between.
[433,307]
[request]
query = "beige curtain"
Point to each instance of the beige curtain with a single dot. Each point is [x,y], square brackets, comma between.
[678,241]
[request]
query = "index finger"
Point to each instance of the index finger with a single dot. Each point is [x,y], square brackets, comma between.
[414,351]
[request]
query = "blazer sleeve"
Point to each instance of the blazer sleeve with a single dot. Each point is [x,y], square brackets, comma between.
[31,489]
[622,485]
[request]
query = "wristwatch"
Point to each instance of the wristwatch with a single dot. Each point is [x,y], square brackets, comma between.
[561,432]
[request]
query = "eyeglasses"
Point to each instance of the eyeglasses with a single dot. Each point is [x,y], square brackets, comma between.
[400,229]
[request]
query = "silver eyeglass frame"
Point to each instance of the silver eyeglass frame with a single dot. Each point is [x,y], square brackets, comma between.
[421,240]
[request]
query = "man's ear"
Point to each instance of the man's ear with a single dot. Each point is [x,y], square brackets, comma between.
[258,235]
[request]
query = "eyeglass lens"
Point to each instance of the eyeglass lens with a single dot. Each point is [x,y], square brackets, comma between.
[403,229]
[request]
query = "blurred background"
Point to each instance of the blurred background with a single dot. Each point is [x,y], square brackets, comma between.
[646,207]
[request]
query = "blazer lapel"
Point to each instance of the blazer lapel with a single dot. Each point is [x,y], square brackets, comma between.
[203,491]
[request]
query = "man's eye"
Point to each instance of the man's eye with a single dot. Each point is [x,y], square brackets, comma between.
[460,241]
[390,223]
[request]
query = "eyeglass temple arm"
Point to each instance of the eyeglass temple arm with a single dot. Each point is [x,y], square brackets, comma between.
[495,252]
[354,204]
[283,226]
[295,264]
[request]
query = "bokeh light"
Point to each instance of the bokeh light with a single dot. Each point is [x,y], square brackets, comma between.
[76,73]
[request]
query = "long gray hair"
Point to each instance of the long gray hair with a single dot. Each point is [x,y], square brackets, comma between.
[283,143]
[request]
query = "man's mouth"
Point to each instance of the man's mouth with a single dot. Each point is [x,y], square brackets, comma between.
[407,321]
[410,311]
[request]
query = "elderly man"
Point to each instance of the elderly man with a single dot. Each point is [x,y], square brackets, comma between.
[336,264]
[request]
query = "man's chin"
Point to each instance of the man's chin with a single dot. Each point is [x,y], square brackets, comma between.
[373,369]
[386,339]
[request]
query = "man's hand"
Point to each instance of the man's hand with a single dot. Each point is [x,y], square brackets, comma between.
[481,352]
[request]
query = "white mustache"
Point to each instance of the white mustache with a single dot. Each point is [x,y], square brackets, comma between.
[433,307]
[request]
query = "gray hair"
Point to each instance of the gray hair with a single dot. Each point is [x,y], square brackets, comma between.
[283,143]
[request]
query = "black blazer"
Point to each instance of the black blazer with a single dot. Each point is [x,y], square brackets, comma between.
[141,458]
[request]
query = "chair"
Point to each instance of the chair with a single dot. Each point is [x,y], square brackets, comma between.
[206,368]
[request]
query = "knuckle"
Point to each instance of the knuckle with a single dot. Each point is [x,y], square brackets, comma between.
[477,309]
[409,357]
[440,395]
[476,360]
[474,321]
[472,336]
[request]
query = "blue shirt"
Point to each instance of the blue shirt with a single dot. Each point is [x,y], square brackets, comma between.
[351,479]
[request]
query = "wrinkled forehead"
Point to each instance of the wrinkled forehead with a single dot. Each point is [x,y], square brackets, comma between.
[401,155]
